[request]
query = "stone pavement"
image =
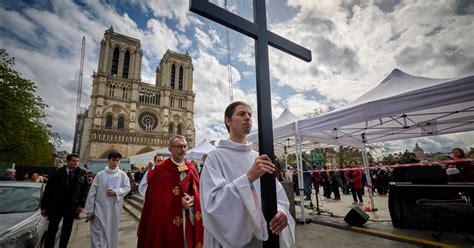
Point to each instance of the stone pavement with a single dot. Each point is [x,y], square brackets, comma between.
[333,213]
[80,237]
[310,235]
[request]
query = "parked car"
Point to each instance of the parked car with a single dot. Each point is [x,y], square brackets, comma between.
[21,223]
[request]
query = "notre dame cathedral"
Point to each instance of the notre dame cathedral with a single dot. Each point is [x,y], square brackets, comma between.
[129,116]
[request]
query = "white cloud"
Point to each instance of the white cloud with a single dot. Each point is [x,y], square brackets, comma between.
[354,47]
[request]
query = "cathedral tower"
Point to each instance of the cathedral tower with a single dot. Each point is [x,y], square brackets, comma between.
[130,116]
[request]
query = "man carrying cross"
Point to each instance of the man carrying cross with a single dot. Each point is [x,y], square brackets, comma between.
[263,38]
[230,190]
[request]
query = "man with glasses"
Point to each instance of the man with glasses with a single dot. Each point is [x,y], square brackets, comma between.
[171,215]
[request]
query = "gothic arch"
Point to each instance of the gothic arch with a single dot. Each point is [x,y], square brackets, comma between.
[121,122]
[180,129]
[109,120]
[180,78]
[126,64]
[122,111]
[115,60]
[171,129]
[145,150]
[173,76]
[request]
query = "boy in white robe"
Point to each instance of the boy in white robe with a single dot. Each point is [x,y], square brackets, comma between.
[105,203]
[230,190]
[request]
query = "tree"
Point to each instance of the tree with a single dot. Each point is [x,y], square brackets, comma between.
[24,134]
[318,111]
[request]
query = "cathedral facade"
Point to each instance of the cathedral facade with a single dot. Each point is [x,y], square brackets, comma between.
[129,116]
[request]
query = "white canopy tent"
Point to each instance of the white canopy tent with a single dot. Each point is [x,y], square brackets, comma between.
[141,160]
[284,135]
[402,106]
[197,152]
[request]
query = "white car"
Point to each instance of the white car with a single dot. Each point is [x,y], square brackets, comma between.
[21,223]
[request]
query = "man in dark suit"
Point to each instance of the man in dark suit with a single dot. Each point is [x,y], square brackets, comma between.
[64,198]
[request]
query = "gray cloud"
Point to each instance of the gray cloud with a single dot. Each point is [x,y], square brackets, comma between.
[348,6]
[464,7]
[444,56]
[387,6]
[339,59]
[317,24]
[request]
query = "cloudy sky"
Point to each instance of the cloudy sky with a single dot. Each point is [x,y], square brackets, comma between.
[355,45]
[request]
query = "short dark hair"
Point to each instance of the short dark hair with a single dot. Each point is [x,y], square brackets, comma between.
[463,155]
[157,155]
[114,155]
[70,156]
[229,111]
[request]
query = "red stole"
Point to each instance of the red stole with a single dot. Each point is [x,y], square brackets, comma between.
[161,221]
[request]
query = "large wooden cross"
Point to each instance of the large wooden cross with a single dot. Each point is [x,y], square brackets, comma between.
[263,37]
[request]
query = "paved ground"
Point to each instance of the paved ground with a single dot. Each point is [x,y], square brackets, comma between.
[334,211]
[306,235]
[80,237]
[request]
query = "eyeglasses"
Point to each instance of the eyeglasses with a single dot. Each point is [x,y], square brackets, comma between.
[181,146]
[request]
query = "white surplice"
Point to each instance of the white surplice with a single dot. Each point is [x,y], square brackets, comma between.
[106,209]
[143,185]
[231,205]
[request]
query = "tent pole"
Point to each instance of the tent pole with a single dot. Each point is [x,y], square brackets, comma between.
[299,164]
[367,176]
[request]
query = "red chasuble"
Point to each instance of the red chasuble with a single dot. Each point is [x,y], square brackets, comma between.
[161,221]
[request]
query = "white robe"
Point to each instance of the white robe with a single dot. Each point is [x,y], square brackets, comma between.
[107,210]
[231,212]
[143,184]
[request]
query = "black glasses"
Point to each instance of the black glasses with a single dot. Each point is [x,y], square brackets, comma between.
[180,146]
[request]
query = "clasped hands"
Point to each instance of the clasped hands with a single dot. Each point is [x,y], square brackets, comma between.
[187,201]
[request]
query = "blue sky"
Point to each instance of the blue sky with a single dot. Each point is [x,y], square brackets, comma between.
[355,45]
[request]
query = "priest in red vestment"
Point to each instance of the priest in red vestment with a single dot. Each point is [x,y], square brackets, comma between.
[171,215]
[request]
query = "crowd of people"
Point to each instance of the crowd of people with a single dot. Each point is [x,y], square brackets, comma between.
[352,179]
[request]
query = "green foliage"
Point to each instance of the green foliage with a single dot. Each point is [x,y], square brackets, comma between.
[24,134]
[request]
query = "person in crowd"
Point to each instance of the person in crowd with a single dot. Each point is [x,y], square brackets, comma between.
[333,175]
[296,182]
[307,181]
[382,181]
[289,174]
[63,199]
[196,164]
[171,215]
[204,157]
[133,186]
[459,171]
[9,175]
[137,176]
[326,182]
[104,203]
[230,190]
[158,159]
[316,180]
[398,173]
[344,185]
[35,177]
[354,177]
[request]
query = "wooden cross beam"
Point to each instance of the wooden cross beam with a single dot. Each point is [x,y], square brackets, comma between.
[263,37]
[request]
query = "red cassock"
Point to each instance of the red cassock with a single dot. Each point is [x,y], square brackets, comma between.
[161,221]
